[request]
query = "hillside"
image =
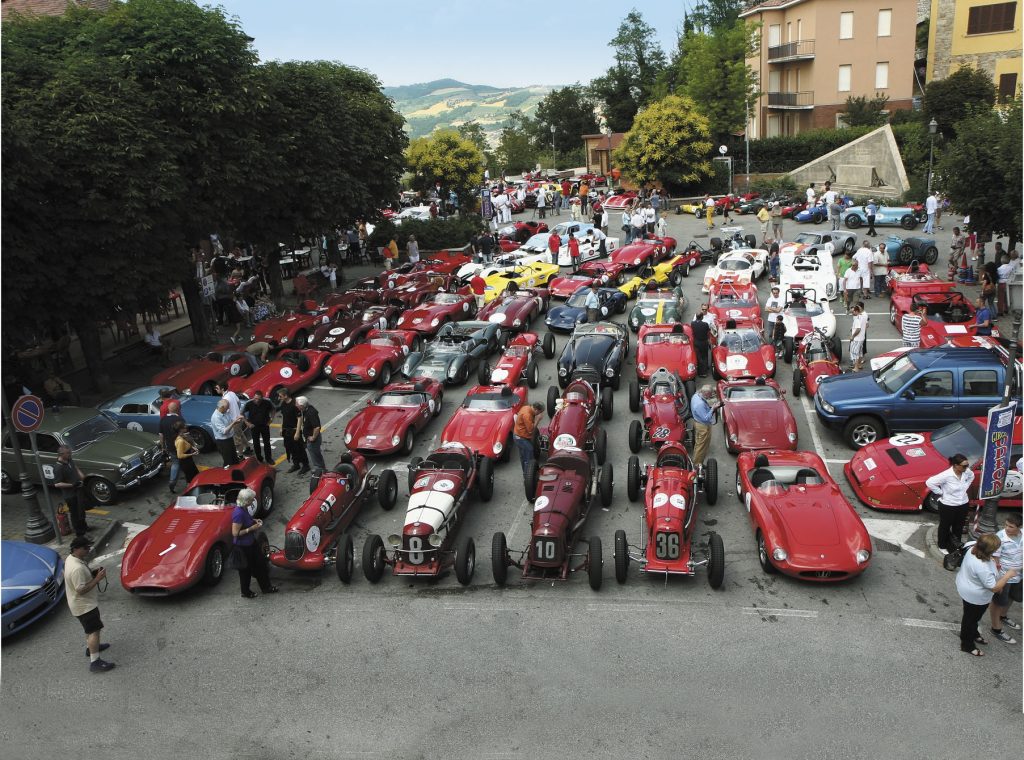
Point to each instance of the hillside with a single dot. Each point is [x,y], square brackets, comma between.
[447,102]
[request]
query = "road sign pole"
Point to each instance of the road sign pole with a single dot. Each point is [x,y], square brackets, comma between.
[38,529]
[46,488]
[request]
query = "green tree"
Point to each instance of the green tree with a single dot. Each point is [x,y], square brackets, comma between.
[448,158]
[862,111]
[670,144]
[633,81]
[618,96]
[517,150]
[474,132]
[570,110]
[951,99]
[712,15]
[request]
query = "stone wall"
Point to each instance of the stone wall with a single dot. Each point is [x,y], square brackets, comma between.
[876,150]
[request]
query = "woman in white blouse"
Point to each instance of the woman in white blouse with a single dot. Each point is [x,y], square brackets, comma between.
[950,486]
[976,582]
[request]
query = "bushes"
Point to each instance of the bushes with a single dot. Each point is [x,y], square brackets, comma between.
[783,185]
[432,235]
[772,155]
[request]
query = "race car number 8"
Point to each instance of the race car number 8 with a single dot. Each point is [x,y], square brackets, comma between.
[416,550]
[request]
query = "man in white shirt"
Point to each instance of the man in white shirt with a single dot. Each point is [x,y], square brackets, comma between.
[772,312]
[851,281]
[235,415]
[639,224]
[650,217]
[931,204]
[863,257]
[858,334]
[880,268]
[1004,272]
[830,195]
[811,195]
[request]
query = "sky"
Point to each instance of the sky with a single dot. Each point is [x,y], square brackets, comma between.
[505,44]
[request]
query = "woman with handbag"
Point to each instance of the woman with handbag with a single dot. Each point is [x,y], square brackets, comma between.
[247,556]
[976,582]
[185,449]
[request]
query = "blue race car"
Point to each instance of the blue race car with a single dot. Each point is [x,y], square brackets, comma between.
[140,410]
[565,318]
[907,217]
[32,581]
[902,251]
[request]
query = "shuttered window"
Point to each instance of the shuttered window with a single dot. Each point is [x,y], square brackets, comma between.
[985,19]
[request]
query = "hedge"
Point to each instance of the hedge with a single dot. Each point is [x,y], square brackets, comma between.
[772,155]
[432,235]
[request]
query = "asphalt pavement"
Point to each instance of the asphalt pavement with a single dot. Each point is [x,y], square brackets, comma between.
[766,667]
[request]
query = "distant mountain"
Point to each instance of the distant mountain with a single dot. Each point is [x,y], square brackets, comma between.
[449,103]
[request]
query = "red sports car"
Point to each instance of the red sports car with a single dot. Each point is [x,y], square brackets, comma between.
[802,523]
[520,232]
[190,540]
[415,292]
[427,318]
[665,407]
[439,489]
[294,328]
[200,374]
[316,535]
[741,352]
[389,422]
[351,327]
[514,312]
[639,254]
[665,346]
[605,272]
[890,474]
[293,370]
[788,212]
[667,242]
[671,507]
[816,359]
[619,201]
[484,421]
[950,313]
[374,361]
[564,286]
[519,362]
[756,416]
[574,422]
[352,299]
[735,301]
[563,491]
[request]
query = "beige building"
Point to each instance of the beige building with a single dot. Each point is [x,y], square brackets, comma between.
[978,33]
[814,54]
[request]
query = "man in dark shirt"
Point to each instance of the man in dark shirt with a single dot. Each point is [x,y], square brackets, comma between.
[309,421]
[258,412]
[167,436]
[68,478]
[487,245]
[701,343]
[293,445]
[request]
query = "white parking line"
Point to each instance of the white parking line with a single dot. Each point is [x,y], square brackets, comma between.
[812,423]
[937,624]
[779,613]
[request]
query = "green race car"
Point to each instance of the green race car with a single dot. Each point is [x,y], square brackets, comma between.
[657,307]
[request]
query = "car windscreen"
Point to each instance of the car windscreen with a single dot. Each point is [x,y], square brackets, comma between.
[578,300]
[733,265]
[894,376]
[653,339]
[382,342]
[741,341]
[447,298]
[655,300]
[401,399]
[806,239]
[91,430]
[807,309]
[733,300]
[966,437]
[752,393]
[489,402]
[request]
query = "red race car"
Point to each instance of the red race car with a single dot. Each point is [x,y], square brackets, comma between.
[788,212]
[667,242]
[620,201]
[735,301]
[352,299]
[389,422]
[665,408]
[374,361]
[950,313]
[520,232]
[603,272]
[439,489]
[890,474]
[803,525]
[189,541]
[519,362]
[562,490]
[427,318]
[815,359]
[316,535]
[415,292]
[514,311]
[741,352]
[639,254]
[293,370]
[351,327]
[200,374]
[756,416]
[294,328]
[671,507]
[483,423]
[665,346]
[574,420]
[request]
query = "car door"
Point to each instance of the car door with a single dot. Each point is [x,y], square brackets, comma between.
[981,389]
[139,416]
[927,402]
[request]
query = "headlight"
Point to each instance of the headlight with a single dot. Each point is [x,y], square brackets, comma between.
[721,366]
[610,372]
[691,367]
[498,447]
[862,555]
[395,440]
[348,438]
[401,320]
[828,407]
[641,366]
[122,468]
[517,323]
[830,289]
[371,372]
[562,372]
[779,554]
[284,340]
[733,437]
[434,540]
[395,540]
[435,322]
[346,341]
[792,437]
[769,366]
[327,369]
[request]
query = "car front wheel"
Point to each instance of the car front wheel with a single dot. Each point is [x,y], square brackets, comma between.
[762,555]
[101,490]
[863,430]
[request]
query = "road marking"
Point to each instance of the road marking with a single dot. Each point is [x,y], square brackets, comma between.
[97,511]
[516,521]
[896,532]
[332,420]
[937,624]
[835,461]
[812,422]
[779,613]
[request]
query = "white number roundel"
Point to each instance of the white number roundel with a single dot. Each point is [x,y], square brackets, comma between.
[286,371]
[734,313]
[678,501]
[313,538]
[541,502]
[497,318]
[336,331]
[564,441]
[134,426]
[498,375]
[906,439]
[234,369]
[444,485]
[660,500]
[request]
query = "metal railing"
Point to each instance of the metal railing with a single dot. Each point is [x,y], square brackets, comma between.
[798,49]
[791,99]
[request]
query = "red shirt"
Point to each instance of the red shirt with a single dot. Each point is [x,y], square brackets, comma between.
[477,285]
[163,406]
[574,247]
[554,242]
[566,188]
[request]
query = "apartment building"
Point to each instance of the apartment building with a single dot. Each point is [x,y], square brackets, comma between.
[814,54]
[976,33]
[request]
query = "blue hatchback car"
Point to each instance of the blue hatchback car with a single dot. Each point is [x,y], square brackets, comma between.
[32,580]
[140,410]
[922,389]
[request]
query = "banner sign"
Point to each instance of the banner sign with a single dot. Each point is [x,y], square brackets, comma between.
[486,207]
[996,461]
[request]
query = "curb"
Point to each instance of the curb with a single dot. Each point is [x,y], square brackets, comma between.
[932,545]
[104,538]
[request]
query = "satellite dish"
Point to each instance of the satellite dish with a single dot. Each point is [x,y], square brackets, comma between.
[723,149]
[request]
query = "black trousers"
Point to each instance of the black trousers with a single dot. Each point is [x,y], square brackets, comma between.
[871,225]
[701,349]
[951,525]
[226,447]
[257,568]
[969,624]
[296,450]
[261,433]
[76,510]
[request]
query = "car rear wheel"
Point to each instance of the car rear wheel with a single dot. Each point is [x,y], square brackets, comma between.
[633,478]
[548,344]
[485,478]
[499,558]
[411,473]
[101,490]
[552,398]
[711,481]
[716,561]
[202,439]
[908,222]
[387,489]
[636,436]
[374,560]
[595,562]
[762,555]
[465,560]
[533,374]
[797,380]
[345,559]
[266,502]
[787,349]
[607,401]
[860,431]
[213,567]
[621,556]
[853,221]
[601,445]
[605,485]
[634,396]
[530,481]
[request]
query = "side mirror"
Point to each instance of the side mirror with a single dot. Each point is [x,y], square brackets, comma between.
[909,394]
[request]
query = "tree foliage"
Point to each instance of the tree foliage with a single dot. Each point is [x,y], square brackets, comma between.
[670,144]
[712,15]
[963,92]
[862,111]
[631,83]
[517,149]
[448,158]
[570,110]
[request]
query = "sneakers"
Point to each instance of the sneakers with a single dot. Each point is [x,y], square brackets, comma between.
[1003,636]
[103,648]
[101,666]
[1010,624]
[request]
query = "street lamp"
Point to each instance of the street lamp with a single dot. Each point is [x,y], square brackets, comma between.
[553,167]
[932,127]
[608,135]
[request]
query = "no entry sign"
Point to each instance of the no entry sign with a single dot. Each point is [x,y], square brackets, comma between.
[27,413]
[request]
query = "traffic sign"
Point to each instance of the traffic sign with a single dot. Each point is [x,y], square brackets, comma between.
[27,413]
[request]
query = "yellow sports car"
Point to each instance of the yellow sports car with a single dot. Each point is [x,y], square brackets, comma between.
[534,275]
[660,274]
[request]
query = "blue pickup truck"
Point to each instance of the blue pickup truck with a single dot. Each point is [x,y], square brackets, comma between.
[923,389]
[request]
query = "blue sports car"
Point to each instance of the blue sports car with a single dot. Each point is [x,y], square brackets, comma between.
[907,217]
[140,410]
[32,580]
[819,212]
[902,251]
[565,318]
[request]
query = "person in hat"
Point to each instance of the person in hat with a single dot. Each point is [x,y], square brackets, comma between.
[81,582]
[870,210]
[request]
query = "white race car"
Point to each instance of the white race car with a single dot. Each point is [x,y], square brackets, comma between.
[506,261]
[804,268]
[742,266]
[803,314]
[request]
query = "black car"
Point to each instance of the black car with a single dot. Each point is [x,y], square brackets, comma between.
[596,352]
[489,334]
[449,359]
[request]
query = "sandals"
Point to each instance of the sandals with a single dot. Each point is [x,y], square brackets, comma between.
[975,653]
[981,640]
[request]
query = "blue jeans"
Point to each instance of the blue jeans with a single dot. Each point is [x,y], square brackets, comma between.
[175,469]
[879,284]
[525,446]
[315,454]
[929,226]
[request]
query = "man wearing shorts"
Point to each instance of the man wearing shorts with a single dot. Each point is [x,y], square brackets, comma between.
[1008,557]
[81,582]
[858,334]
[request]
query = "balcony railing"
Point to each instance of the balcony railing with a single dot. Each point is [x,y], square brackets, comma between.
[791,99]
[799,50]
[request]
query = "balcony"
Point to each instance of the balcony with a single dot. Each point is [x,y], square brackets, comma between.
[801,50]
[791,100]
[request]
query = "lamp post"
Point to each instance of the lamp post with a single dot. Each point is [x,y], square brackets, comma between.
[553,167]
[608,136]
[932,127]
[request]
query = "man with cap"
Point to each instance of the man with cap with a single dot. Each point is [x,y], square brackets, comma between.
[80,582]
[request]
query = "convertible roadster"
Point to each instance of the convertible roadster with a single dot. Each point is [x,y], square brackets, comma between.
[595,352]
[199,375]
[374,361]
[389,422]
[742,353]
[484,421]
[293,370]
[756,416]
[666,346]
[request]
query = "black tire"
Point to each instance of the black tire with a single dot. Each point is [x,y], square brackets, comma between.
[595,562]
[485,479]
[374,559]
[266,500]
[908,222]
[548,345]
[690,387]
[499,558]
[465,560]
[385,375]
[409,442]
[716,244]
[607,401]
[675,277]
[634,396]
[7,483]
[387,490]
[850,244]
[716,561]
[930,504]
[345,559]
[931,255]
[213,566]
[605,485]
[892,314]
[686,268]
[411,473]
[300,340]
[836,344]
[763,558]
[798,378]
[202,439]
[601,445]
[621,556]
[633,478]
[101,490]
[751,241]
[533,374]
[530,480]
[906,254]
[483,374]
[862,430]
[853,221]
[787,349]
[506,450]
[636,436]
[553,396]
[615,382]
[711,481]
[739,484]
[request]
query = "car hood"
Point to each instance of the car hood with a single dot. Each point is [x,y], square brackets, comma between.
[854,388]
[592,351]
[564,315]
[197,410]
[174,546]
[479,430]
[25,568]
[116,447]
[380,423]
[668,355]
[186,375]
[807,518]
[895,475]
[757,422]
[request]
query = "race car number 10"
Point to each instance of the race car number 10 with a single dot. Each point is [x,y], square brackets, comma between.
[544,549]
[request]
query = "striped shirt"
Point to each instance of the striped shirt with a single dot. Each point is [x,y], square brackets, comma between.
[911,328]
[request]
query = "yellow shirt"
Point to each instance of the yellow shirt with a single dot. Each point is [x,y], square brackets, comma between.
[763,215]
[77,575]
[183,448]
[393,249]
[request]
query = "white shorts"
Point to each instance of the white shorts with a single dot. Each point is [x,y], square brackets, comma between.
[865,280]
